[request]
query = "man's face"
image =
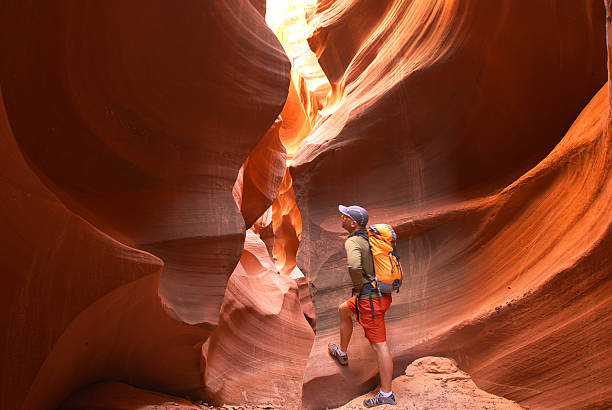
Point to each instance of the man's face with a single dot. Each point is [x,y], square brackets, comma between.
[347,223]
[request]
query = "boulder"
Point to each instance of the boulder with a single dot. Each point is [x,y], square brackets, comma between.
[437,383]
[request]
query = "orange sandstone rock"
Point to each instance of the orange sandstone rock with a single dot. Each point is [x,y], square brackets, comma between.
[340,28]
[126,125]
[258,352]
[286,225]
[133,119]
[448,134]
[305,299]
[139,116]
[55,267]
[546,244]
[260,176]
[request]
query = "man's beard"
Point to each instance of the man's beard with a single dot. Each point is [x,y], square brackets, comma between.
[347,226]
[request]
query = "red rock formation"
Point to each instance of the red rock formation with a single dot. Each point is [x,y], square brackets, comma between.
[263,228]
[260,6]
[137,116]
[287,226]
[258,352]
[445,86]
[132,119]
[260,176]
[305,299]
[55,266]
[296,123]
[340,30]
[609,38]
[145,125]
[431,132]
[537,279]
[309,88]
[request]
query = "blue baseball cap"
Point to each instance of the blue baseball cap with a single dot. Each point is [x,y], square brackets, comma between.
[356,213]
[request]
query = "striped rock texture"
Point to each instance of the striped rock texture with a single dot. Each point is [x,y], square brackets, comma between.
[258,353]
[129,122]
[450,122]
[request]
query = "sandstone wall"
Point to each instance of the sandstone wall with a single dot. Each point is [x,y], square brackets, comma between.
[449,123]
[142,143]
[129,122]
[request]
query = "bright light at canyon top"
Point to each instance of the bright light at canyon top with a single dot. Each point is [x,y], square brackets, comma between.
[310,88]
[287,19]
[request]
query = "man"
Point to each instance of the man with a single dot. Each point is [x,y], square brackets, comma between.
[361,271]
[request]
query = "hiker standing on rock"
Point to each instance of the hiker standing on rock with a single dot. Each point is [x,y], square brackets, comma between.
[367,304]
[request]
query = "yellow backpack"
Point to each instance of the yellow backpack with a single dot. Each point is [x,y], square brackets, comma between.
[387,267]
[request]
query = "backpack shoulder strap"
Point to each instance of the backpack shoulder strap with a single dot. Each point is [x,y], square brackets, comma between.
[361,234]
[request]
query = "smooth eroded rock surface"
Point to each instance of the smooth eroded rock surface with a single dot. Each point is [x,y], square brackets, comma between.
[139,115]
[133,119]
[260,176]
[55,266]
[449,135]
[258,352]
[480,130]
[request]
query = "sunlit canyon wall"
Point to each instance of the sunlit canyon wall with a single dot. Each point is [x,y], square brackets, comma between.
[480,131]
[153,234]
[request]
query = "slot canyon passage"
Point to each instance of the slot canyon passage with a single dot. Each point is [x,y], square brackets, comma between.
[171,173]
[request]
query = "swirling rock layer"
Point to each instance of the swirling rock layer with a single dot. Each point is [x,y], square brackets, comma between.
[136,124]
[133,118]
[540,337]
[258,352]
[55,265]
[126,125]
[260,176]
[447,135]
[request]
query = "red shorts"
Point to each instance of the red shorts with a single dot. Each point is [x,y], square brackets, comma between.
[373,327]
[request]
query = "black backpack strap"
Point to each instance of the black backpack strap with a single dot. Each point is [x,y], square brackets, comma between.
[367,289]
[356,302]
[361,233]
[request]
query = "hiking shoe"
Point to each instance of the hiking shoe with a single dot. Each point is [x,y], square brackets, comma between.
[378,400]
[334,351]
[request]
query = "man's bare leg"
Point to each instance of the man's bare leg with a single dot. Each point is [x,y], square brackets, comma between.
[346,326]
[385,364]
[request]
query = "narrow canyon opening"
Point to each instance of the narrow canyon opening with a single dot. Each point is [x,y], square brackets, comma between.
[280,226]
[309,91]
